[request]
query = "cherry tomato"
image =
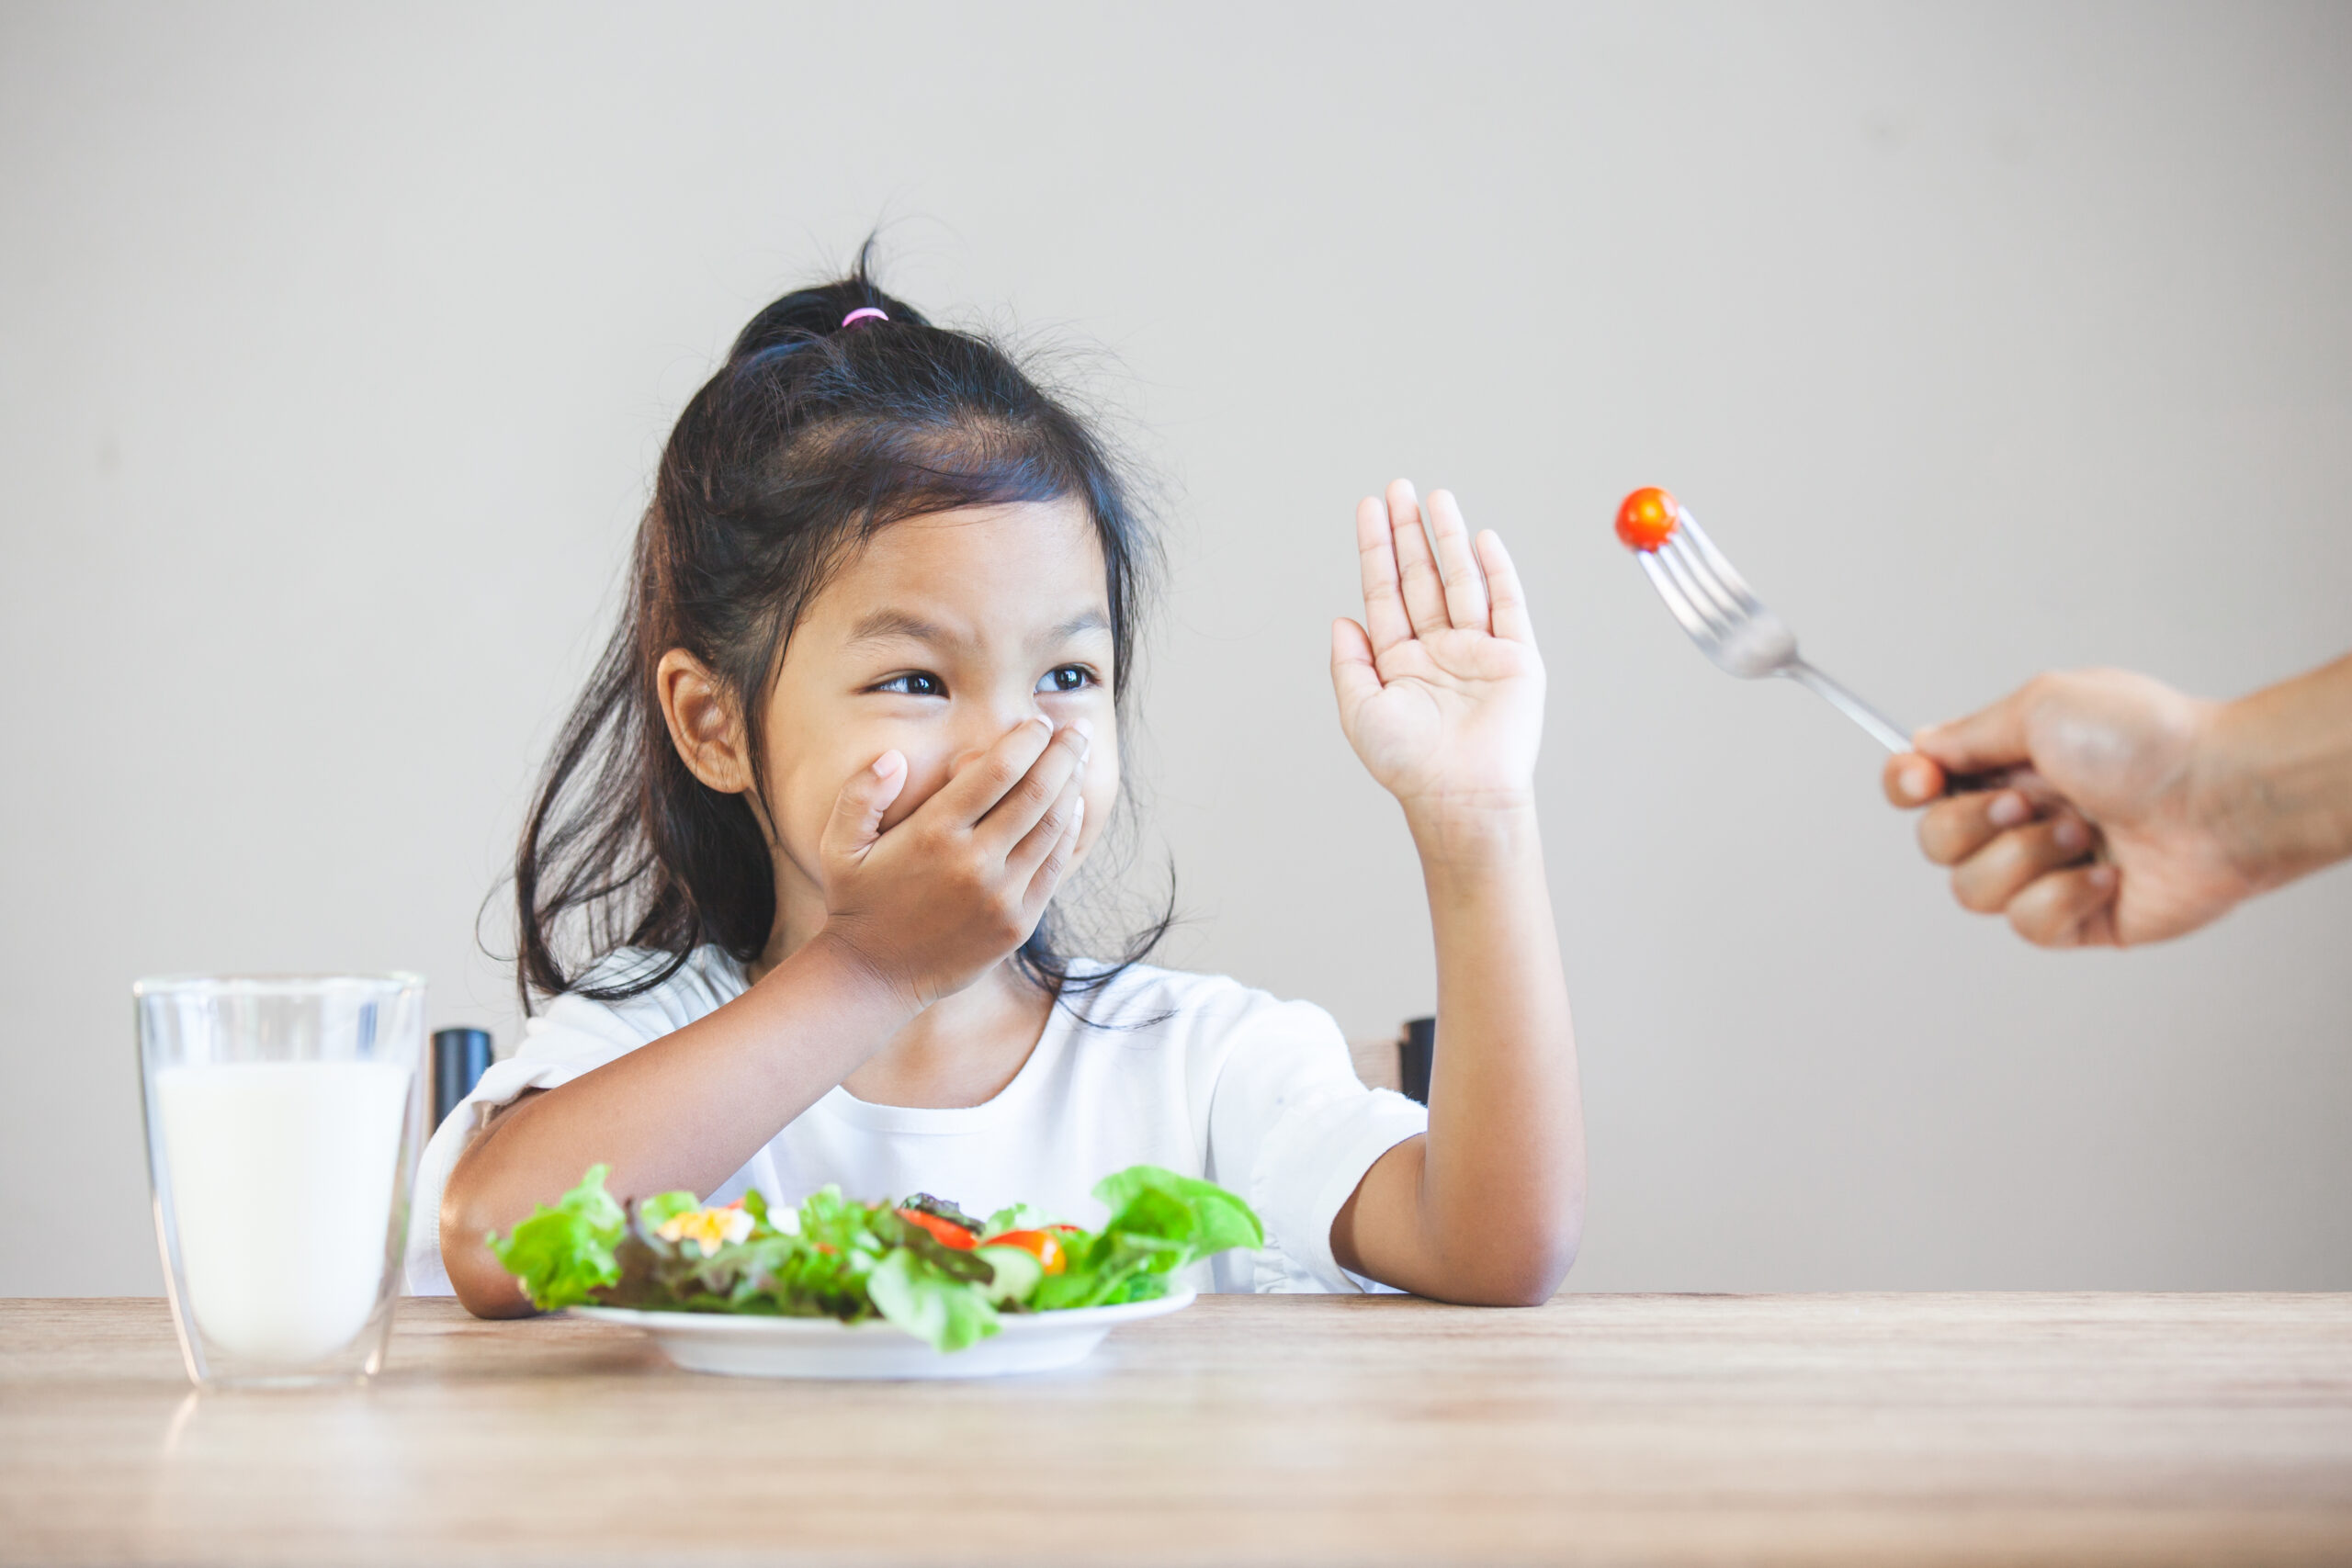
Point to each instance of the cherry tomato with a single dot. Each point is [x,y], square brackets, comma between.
[1647,518]
[949,1232]
[1044,1246]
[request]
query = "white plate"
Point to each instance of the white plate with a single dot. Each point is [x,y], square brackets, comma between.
[825,1348]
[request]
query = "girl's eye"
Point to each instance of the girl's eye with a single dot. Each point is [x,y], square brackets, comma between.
[1068,678]
[917,685]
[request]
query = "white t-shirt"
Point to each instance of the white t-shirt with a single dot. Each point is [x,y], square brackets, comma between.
[1193,1072]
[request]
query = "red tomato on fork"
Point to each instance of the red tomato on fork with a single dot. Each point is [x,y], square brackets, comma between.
[1647,518]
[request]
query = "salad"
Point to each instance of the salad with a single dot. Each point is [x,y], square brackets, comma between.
[921,1264]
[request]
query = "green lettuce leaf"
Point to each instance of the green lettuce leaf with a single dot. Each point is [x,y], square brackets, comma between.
[1220,1221]
[564,1254]
[947,1312]
[1114,1267]
[1160,1222]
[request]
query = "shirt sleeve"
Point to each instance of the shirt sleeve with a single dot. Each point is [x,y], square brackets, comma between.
[1292,1126]
[572,1037]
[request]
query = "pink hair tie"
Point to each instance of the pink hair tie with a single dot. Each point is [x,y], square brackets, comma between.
[865,313]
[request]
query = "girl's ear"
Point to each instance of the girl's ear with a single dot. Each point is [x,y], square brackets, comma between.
[705,725]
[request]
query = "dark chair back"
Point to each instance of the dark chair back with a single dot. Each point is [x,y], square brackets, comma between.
[460,1056]
[1413,1055]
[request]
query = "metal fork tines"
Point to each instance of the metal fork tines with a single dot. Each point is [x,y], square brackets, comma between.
[1734,628]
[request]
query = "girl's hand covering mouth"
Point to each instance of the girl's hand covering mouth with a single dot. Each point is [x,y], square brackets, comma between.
[1441,688]
[948,893]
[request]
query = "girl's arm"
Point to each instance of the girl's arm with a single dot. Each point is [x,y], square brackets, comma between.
[684,1112]
[1441,694]
[912,917]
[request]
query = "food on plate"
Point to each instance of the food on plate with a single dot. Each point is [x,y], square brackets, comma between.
[1044,1246]
[961,1234]
[922,1264]
[1647,518]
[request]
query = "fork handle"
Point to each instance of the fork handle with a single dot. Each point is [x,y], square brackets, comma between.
[1882,729]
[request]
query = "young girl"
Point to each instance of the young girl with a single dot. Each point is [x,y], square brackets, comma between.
[860,721]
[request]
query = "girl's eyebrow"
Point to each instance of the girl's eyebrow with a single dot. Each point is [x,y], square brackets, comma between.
[887,626]
[1085,620]
[899,625]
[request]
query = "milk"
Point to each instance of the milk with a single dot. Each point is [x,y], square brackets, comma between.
[281,1180]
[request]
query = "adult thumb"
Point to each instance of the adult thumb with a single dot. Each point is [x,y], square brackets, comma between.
[856,820]
[1988,738]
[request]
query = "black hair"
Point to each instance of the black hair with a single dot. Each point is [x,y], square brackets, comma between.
[811,438]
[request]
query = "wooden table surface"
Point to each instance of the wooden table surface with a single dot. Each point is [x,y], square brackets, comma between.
[1619,1429]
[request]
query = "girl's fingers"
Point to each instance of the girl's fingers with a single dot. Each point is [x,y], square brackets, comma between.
[1424,593]
[1384,601]
[1053,826]
[1509,614]
[1457,569]
[1987,880]
[1059,859]
[856,820]
[1954,829]
[975,791]
[1010,820]
[2067,909]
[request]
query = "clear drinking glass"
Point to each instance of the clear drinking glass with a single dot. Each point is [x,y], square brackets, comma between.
[284,1117]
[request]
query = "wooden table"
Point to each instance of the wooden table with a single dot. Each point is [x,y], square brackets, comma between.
[1620,1430]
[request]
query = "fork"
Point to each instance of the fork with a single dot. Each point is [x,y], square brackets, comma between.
[1731,626]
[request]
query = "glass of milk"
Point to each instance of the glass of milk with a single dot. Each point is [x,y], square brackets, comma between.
[284,1117]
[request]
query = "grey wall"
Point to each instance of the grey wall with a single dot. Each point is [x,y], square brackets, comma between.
[336,347]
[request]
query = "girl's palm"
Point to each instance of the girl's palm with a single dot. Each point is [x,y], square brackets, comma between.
[1441,688]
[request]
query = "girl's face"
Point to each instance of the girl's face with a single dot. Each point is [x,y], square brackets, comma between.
[938,636]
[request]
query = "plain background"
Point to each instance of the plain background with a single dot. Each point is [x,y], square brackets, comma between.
[337,347]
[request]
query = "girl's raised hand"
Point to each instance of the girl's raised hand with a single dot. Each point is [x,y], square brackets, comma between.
[1441,688]
[945,895]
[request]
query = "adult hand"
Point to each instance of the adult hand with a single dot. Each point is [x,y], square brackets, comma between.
[2122,767]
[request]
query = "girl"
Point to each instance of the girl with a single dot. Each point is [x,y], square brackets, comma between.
[860,721]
